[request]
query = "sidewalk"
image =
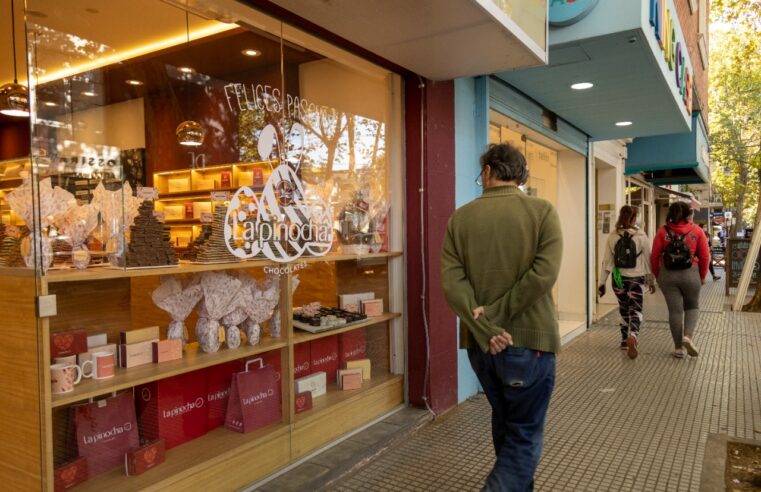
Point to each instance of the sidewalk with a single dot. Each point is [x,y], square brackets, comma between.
[614,423]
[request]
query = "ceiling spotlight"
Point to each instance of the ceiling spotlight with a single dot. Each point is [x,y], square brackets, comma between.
[133,82]
[624,123]
[50,104]
[250,52]
[89,93]
[186,70]
[580,86]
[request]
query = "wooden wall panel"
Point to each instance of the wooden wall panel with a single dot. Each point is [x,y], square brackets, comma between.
[21,456]
[99,306]
[317,282]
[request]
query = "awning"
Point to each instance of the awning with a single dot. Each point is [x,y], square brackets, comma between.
[679,158]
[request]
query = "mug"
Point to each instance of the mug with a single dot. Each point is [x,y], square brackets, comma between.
[102,365]
[62,378]
[68,359]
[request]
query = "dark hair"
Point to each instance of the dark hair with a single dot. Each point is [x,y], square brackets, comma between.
[506,163]
[626,217]
[678,212]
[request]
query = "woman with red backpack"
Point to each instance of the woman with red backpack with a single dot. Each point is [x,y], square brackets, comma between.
[627,256]
[680,262]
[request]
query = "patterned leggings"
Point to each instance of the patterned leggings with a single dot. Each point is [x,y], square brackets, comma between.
[630,304]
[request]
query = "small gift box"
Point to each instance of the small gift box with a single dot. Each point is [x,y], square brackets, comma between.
[70,475]
[138,461]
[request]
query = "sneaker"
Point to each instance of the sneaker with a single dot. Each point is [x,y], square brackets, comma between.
[690,347]
[624,346]
[631,347]
[716,277]
[679,353]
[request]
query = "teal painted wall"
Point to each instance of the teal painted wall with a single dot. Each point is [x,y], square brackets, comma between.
[467,151]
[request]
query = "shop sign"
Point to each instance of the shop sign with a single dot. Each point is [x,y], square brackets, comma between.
[663,22]
[567,12]
[284,222]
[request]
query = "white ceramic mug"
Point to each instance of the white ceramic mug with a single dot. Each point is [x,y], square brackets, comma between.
[101,366]
[62,378]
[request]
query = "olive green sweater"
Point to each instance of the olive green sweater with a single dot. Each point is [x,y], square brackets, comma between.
[502,251]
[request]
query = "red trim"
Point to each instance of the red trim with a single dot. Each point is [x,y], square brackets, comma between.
[439,185]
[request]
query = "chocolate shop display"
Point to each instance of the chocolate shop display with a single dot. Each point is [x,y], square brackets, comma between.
[214,250]
[315,318]
[191,253]
[149,243]
[10,248]
[179,302]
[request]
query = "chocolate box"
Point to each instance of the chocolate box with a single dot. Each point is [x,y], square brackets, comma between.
[166,350]
[139,461]
[343,372]
[139,335]
[136,354]
[67,343]
[302,360]
[352,345]
[70,474]
[97,340]
[324,355]
[315,383]
[351,302]
[372,307]
[303,401]
[351,381]
[173,409]
[364,364]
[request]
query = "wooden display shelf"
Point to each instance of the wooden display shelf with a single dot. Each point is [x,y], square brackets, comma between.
[112,273]
[300,336]
[193,193]
[203,460]
[336,395]
[194,359]
[183,222]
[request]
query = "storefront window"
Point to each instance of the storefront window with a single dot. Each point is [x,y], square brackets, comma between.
[216,208]
[556,174]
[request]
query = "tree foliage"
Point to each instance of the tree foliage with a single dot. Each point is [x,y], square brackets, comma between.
[735,105]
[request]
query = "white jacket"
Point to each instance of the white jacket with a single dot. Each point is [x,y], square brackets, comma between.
[642,269]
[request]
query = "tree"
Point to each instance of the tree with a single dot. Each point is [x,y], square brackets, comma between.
[735,102]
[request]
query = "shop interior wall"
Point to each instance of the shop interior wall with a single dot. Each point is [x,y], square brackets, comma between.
[608,192]
[571,207]
[467,151]
[14,138]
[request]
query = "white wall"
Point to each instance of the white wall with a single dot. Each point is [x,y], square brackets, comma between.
[571,285]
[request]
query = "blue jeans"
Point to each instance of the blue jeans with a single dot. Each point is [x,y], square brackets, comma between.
[518,383]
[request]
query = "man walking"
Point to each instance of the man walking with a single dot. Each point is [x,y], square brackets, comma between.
[500,260]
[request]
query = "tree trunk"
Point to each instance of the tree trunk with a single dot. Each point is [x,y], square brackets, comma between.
[755,304]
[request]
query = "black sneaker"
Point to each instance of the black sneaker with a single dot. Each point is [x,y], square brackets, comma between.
[624,345]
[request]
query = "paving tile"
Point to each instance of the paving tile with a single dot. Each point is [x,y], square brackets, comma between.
[338,454]
[375,433]
[295,479]
[645,432]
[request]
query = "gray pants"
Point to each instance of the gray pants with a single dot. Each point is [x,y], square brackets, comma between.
[681,288]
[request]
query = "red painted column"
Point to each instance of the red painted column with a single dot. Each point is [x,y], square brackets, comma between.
[423,250]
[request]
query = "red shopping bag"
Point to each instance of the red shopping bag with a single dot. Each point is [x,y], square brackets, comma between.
[173,408]
[106,429]
[254,398]
[218,381]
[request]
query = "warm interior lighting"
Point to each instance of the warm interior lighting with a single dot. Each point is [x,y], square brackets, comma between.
[251,52]
[50,104]
[186,70]
[14,97]
[89,93]
[135,52]
[624,123]
[580,86]
[189,133]
[133,82]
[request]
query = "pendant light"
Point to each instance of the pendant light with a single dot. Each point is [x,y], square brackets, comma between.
[14,97]
[189,133]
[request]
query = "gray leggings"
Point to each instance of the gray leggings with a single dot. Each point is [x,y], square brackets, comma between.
[681,288]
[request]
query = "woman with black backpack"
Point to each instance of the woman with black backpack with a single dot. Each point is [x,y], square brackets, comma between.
[627,256]
[680,262]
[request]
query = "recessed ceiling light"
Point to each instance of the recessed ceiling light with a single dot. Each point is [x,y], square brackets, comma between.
[134,82]
[250,52]
[624,123]
[186,70]
[89,94]
[50,104]
[580,86]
